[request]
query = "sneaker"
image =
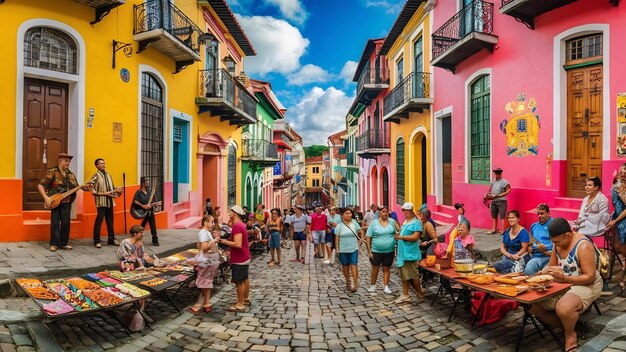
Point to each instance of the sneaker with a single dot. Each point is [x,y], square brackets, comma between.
[114,243]
[371,289]
[98,245]
[53,248]
[386,290]
[402,299]
[67,247]
[326,262]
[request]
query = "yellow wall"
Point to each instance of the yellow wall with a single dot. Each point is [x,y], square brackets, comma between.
[418,124]
[313,176]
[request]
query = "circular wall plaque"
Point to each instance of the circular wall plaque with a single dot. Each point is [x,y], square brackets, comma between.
[125,75]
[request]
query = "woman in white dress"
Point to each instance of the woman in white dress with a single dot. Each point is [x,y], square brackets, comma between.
[594,211]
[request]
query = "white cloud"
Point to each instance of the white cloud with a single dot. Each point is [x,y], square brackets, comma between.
[347,72]
[278,44]
[391,7]
[291,9]
[309,74]
[320,113]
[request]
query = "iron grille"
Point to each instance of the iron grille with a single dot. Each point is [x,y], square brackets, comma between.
[258,148]
[232,176]
[415,86]
[162,14]
[178,134]
[152,134]
[218,83]
[374,139]
[477,16]
[50,49]
[371,76]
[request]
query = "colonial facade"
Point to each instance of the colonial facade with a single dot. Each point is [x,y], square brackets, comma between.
[534,89]
[150,88]
[314,178]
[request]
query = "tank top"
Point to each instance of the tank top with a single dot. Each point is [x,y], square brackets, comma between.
[273,226]
[571,264]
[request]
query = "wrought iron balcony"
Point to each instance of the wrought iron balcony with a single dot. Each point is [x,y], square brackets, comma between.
[465,34]
[224,96]
[259,151]
[103,7]
[374,142]
[412,94]
[370,83]
[166,28]
[525,11]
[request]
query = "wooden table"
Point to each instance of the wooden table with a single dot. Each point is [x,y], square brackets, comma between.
[525,299]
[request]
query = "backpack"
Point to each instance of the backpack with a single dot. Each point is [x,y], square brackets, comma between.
[493,310]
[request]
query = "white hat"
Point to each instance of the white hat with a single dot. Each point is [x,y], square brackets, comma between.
[238,210]
[407,206]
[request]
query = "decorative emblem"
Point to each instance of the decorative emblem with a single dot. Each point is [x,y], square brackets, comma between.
[125,75]
[522,127]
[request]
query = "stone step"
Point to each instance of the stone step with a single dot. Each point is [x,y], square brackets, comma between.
[566,202]
[190,222]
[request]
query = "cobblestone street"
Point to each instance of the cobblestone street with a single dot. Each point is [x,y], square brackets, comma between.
[296,307]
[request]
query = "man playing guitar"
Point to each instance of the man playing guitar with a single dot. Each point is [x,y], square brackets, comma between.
[59,179]
[143,200]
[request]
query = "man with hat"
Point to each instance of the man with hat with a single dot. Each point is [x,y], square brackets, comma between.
[497,195]
[59,179]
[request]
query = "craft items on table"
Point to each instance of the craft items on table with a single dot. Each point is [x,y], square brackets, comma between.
[132,290]
[25,283]
[153,282]
[41,293]
[73,296]
[57,307]
[82,284]
[103,298]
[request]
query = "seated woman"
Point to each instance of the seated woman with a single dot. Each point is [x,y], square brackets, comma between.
[463,238]
[429,234]
[573,261]
[130,253]
[594,210]
[514,246]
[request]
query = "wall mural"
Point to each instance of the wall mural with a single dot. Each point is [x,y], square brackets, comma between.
[522,127]
[621,124]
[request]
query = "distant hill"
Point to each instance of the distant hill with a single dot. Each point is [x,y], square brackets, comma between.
[314,150]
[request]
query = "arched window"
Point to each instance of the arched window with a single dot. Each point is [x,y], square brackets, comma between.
[152,132]
[50,49]
[400,171]
[232,175]
[480,130]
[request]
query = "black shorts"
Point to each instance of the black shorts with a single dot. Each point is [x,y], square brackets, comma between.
[239,273]
[384,259]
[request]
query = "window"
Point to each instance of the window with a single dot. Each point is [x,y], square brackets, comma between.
[316,183]
[152,133]
[480,130]
[400,171]
[419,55]
[50,49]
[400,69]
[232,175]
[584,47]
[316,169]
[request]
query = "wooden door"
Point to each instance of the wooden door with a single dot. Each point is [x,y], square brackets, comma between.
[584,127]
[45,134]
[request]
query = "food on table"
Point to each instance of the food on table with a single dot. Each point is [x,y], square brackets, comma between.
[154,282]
[505,280]
[73,296]
[108,282]
[463,266]
[95,276]
[506,290]
[82,284]
[25,283]
[103,298]
[540,278]
[131,290]
[41,293]
[115,292]
[58,307]
[129,275]
[492,270]
[479,268]
[480,279]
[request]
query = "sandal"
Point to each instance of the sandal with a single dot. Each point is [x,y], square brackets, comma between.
[246,301]
[234,308]
[208,308]
[572,349]
[195,309]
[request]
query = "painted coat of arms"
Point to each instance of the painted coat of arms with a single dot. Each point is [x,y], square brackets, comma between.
[522,127]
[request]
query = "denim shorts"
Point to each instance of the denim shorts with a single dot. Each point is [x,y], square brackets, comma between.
[349,258]
[274,239]
[299,236]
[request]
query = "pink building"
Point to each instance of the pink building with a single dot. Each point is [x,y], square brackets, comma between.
[373,138]
[532,87]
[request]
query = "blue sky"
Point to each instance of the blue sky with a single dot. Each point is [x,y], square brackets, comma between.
[308,50]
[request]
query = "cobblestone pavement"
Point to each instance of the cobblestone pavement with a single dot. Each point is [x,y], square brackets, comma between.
[302,307]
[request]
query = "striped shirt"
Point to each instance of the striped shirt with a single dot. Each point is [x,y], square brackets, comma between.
[103,183]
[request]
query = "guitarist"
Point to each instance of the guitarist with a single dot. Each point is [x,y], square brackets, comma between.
[104,191]
[59,179]
[142,200]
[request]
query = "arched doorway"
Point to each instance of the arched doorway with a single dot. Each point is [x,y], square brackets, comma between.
[374,186]
[385,186]
[249,192]
[419,169]
[211,156]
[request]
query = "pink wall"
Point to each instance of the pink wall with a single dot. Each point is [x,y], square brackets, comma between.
[523,62]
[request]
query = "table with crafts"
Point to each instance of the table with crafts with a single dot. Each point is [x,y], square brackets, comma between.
[108,290]
[501,286]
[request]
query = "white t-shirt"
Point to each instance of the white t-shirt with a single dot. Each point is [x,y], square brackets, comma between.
[204,236]
[299,223]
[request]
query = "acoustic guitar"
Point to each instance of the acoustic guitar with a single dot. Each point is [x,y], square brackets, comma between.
[140,213]
[56,199]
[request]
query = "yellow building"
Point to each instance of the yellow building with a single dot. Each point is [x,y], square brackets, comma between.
[408,103]
[151,87]
[314,179]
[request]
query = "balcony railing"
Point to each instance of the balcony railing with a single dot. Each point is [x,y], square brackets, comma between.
[163,15]
[374,139]
[370,76]
[475,17]
[259,149]
[525,11]
[220,84]
[415,86]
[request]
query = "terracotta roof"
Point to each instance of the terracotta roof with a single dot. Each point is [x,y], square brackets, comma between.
[313,159]
[398,26]
[228,18]
[336,138]
[365,57]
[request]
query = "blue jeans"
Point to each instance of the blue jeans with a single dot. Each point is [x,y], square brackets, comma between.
[535,264]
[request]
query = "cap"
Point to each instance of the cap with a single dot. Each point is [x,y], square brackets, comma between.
[238,210]
[299,207]
[65,155]
[407,206]
[457,206]
[497,170]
